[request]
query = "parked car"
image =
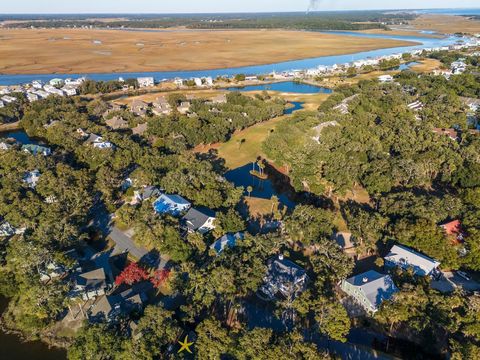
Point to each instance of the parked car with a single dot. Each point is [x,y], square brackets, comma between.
[464,275]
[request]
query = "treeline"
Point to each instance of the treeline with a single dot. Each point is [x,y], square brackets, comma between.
[313,21]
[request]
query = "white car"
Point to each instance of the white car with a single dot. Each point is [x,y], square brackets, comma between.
[463,275]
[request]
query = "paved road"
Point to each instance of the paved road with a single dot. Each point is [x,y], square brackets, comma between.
[450,281]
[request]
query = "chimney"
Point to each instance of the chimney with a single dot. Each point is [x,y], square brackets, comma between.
[280,256]
[365,280]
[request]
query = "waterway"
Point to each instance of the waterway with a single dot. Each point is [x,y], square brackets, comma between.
[13,348]
[285,86]
[423,43]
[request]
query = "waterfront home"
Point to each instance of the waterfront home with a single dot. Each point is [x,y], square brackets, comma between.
[208,81]
[453,229]
[69,90]
[9,99]
[110,308]
[198,81]
[140,129]
[37,84]
[385,78]
[406,258]
[139,107]
[284,278]
[145,82]
[31,178]
[31,97]
[369,289]
[53,90]
[227,240]
[41,93]
[117,123]
[171,204]
[37,149]
[56,82]
[199,219]
[90,284]
[97,142]
[178,82]
[4,145]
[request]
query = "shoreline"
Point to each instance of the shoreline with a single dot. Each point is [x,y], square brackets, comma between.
[10,127]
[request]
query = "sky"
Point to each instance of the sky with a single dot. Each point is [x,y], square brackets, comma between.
[208,6]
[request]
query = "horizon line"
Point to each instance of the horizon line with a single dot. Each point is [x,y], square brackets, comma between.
[238,12]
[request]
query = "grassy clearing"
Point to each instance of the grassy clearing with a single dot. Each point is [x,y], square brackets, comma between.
[427,66]
[446,24]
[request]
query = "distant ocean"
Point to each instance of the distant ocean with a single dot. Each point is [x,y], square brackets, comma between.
[450,11]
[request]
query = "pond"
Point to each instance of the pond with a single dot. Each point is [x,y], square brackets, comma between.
[13,348]
[297,105]
[263,189]
[285,86]
[19,135]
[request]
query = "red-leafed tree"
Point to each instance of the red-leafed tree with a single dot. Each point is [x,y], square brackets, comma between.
[159,277]
[131,274]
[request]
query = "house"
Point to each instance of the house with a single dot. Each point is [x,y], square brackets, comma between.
[4,145]
[9,99]
[109,308]
[37,84]
[31,178]
[139,107]
[41,93]
[251,78]
[285,278]
[219,99]
[184,107]
[31,97]
[90,285]
[56,82]
[227,240]
[454,229]
[209,81]
[2,104]
[161,106]
[37,149]
[472,103]
[451,133]
[178,82]
[385,78]
[6,230]
[69,90]
[200,219]
[345,240]
[140,129]
[415,106]
[369,289]
[146,193]
[405,258]
[145,82]
[117,123]
[97,142]
[198,81]
[53,90]
[112,107]
[343,106]
[171,204]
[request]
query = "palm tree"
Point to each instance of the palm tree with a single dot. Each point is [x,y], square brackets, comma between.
[249,190]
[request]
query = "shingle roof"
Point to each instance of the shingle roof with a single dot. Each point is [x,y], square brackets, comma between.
[93,279]
[196,218]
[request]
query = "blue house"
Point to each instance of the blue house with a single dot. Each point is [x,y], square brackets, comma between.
[171,204]
[227,240]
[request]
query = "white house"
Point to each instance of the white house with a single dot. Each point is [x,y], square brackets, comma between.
[208,81]
[31,97]
[56,82]
[197,81]
[98,142]
[69,90]
[37,84]
[2,104]
[9,99]
[178,82]
[406,258]
[31,178]
[369,289]
[145,81]
[41,94]
[385,78]
[53,90]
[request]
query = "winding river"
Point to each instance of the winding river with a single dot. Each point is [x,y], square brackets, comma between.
[423,43]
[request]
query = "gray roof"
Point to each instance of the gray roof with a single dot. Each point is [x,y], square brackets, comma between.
[405,258]
[117,122]
[91,280]
[375,286]
[284,276]
[196,218]
[150,191]
[229,240]
[93,138]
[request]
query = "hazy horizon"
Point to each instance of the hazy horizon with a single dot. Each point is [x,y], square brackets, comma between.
[122,7]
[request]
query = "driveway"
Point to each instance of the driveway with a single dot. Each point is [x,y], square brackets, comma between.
[450,281]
